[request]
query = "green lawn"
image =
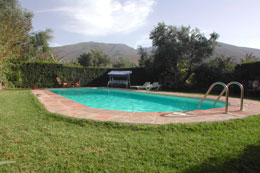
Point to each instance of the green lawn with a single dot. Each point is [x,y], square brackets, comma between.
[44,142]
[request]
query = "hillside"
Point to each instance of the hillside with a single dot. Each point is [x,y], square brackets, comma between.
[71,52]
[237,53]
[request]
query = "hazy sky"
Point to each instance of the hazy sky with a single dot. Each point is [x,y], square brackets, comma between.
[131,21]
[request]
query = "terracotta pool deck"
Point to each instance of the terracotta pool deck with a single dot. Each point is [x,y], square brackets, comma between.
[57,104]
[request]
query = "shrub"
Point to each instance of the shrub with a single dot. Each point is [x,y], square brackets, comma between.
[247,71]
[219,69]
[43,74]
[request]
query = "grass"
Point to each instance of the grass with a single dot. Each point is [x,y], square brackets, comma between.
[39,141]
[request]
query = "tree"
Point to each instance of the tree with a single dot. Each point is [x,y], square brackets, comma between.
[249,59]
[94,58]
[145,59]
[15,25]
[122,62]
[16,41]
[38,46]
[179,50]
[85,60]
[214,70]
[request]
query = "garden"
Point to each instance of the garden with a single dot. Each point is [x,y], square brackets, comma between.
[39,141]
[35,140]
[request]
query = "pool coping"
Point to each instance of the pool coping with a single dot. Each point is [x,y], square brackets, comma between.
[57,104]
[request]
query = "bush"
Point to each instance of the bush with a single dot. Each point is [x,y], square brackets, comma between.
[43,74]
[247,71]
[219,69]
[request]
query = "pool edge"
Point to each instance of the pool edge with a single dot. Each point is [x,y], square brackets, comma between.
[58,104]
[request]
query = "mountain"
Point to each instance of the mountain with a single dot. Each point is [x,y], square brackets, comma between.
[235,52]
[72,52]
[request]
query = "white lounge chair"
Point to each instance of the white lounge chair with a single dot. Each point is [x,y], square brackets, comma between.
[146,85]
[155,85]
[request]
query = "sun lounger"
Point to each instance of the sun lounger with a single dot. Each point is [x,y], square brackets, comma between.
[155,85]
[146,86]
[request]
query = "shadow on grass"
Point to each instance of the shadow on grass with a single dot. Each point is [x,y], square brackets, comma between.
[248,161]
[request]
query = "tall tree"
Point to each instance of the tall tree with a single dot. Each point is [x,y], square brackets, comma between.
[38,46]
[145,58]
[179,50]
[15,25]
[94,58]
[122,62]
[216,69]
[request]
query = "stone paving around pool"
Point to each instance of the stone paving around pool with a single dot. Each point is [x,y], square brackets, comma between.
[57,104]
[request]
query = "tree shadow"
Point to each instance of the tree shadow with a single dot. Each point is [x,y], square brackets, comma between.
[248,161]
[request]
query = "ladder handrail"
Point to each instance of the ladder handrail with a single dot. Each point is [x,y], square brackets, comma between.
[241,95]
[209,90]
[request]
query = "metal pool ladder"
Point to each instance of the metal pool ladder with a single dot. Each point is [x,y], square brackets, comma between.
[225,90]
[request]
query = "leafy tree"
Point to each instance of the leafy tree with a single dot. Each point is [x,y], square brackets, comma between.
[15,25]
[214,70]
[145,59]
[121,62]
[85,60]
[16,41]
[94,58]
[249,59]
[179,50]
[38,46]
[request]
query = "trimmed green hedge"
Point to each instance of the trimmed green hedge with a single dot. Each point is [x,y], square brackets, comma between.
[204,76]
[248,71]
[43,74]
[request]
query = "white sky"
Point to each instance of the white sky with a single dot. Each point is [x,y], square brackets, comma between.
[131,21]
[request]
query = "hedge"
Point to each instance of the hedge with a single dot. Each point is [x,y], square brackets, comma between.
[204,76]
[248,71]
[243,73]
[43,75]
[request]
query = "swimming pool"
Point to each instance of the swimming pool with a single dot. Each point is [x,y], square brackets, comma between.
[112,99]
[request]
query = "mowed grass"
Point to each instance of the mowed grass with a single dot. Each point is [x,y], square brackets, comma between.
[39,141]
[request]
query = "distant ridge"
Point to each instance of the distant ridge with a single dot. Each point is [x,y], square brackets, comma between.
[235,52]
[72,52]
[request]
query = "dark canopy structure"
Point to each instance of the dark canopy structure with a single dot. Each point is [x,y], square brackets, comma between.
[118,78]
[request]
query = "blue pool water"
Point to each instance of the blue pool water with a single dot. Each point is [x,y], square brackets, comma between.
[112,99]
